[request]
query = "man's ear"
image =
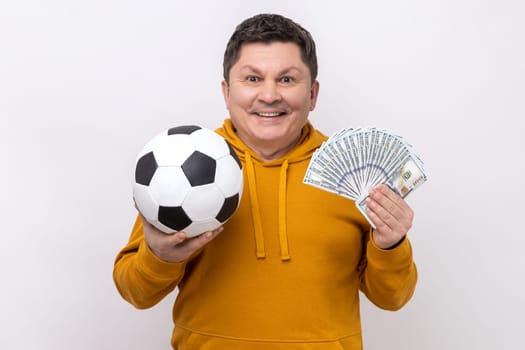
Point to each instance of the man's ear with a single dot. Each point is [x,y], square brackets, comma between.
[314,93]
[225,91]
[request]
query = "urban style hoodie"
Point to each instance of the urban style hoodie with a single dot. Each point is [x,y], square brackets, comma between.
[287,271]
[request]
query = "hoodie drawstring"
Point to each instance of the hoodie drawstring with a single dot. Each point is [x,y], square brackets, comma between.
[310,140]
[256,214]
[283,236]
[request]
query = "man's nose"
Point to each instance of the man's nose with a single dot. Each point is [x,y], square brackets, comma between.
[269,92]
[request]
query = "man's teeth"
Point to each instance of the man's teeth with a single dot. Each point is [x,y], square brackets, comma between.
[275,114]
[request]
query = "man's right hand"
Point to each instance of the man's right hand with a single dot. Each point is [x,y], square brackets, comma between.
[176,247]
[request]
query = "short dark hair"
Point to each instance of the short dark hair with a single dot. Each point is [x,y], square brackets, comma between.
[267,28]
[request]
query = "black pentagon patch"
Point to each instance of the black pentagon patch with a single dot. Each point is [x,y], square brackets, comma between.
[228,208]
[173,217]
[199,169]
[234,155]
[183,129]
[146,167]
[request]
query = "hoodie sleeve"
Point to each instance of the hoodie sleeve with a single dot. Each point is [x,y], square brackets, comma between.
[140,276]
[388,277]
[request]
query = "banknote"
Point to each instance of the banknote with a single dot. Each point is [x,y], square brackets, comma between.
[353,160]
[405,180]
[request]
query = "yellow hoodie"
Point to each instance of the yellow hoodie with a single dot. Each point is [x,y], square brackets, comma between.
[284,274]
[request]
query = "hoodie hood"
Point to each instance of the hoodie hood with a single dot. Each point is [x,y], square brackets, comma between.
[308,142]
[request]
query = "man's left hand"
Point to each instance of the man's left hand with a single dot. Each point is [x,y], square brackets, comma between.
[390,214]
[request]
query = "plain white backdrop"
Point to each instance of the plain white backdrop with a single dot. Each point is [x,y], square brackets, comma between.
[84,84]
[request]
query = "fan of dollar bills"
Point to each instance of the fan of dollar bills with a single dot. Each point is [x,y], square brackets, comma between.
[352,161]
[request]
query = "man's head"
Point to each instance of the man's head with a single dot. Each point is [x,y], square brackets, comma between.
[270,83]
[268,28]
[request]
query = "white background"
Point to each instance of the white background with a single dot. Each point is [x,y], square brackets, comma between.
[84,84]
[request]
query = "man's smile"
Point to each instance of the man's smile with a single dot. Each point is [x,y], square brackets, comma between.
[270,114]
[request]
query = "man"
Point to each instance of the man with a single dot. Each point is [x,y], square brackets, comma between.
[286,270]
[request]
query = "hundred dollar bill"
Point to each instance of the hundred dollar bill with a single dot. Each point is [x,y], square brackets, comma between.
[405,180]
[352,161]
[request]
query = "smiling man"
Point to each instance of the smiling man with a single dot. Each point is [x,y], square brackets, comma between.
[269,93]
[286,271]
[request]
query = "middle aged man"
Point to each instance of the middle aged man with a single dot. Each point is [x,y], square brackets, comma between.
[286,270]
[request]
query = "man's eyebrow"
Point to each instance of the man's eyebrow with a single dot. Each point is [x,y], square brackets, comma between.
[258,71]
[290,69]
[251,68]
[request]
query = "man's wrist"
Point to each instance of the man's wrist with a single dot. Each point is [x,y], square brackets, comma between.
[395,245]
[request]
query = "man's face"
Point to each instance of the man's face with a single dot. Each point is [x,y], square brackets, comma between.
[269,96]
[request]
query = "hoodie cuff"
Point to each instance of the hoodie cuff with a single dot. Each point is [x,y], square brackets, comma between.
[388,259]
[155,267]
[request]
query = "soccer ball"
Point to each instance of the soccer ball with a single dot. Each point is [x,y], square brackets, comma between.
[188,179]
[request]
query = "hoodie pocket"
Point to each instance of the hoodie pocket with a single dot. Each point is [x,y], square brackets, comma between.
[184,339]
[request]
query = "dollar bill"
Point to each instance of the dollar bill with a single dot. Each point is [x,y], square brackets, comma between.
[353,160]
[405,180]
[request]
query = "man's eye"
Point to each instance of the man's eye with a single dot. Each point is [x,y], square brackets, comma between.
[286,80]
[252,79]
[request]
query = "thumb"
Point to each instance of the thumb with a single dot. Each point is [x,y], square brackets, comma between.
[178,237]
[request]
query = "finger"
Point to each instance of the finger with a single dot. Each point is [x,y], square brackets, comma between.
[383,202]
[178,238]
[393,204]
[392,217]
[394,197]
[385,196]
[198,242]
[210,235]
[391,209]
[381,217]
[376,220]
[399,209]
[388,230]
